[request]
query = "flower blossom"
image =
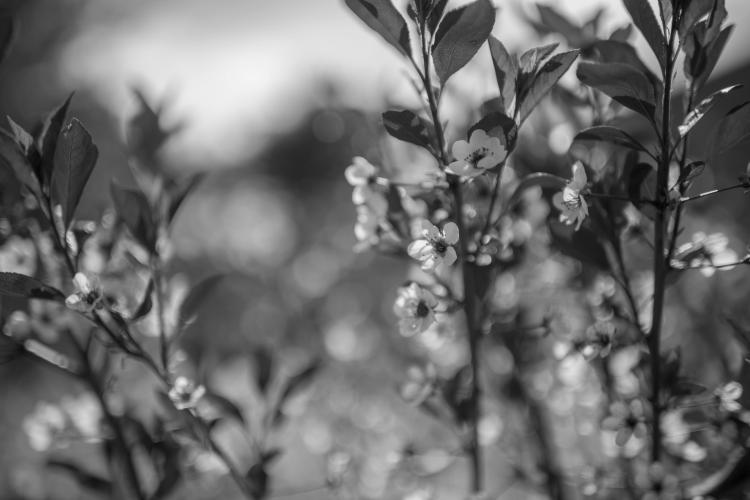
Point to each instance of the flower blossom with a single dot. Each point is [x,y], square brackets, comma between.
[185,394]
[707,252]
[415,308]
[435,247]
[478,155]
[87,295]
[362,176]
[727,396]
[571,203]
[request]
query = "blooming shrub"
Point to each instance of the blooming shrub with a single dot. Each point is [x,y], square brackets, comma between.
[489,236]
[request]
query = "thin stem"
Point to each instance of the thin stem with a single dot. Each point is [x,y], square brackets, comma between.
[159,304]
[470,309]
[660,262]
[493,202]
[712,192]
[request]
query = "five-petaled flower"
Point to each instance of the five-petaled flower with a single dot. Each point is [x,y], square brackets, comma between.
[479,154]
[185,394]
[435,247]
[571,203]
[415,308]
[362,176]
[727,396]
[87,295]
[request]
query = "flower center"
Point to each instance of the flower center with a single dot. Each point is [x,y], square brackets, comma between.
[422,310]
[440,247]
[477,155]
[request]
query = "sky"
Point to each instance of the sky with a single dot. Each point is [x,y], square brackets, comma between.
[241,70]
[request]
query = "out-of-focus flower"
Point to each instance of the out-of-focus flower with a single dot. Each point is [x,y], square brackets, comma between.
[18,326]
[727,396]
[571,203]
[87,295]
[707,252]
[476,156]
[419,385]
[85,415]
[371,229]
[415,308]
[658,484]
[185,394]
[627,420]
[362,176]
[18,255]
[435,247]
[44,425]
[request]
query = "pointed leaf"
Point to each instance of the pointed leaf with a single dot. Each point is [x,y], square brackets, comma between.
[713,53]
[644,19]
[545,79]
[20,285]
[532,58]
[7,34]
[74,160]
[23,138]
[407,126]
[436,14]
[178,196]
[383,18]
[702,108]
[506,70]
[133,209]
[582,244]
[460,35]
[623,83]
[48,139]
[613,135]
[12,155]
[732,130]
[299,381]
[195,297]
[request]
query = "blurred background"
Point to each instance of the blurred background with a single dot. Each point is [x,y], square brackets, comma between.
[273,99]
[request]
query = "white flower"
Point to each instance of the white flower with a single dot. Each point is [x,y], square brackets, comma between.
[362,176]
[728,395]
[371,229]
[185,394]
[419,384]
[44,426]
[435,247]
[415,308]
[571,203]
[18,255]
[705,252]
[481,153]
[87,295]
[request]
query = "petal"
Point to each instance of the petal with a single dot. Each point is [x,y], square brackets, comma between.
[478,139]
[450,233]
[417,249]
[460,167]
[409,327]
[461,149]
[579,176]
[450,256]
[81,283]
[430,231]
[557,201]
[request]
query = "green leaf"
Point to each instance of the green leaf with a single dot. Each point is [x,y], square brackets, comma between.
[506,70]
[712,54]
[263,364]
[702,108]
[180,192]
[499,125]
[383,18]
[23,138]
[531,59]
[12,155]
[645,20]
[299,381]
[732,130]
[84,478]
[612,135]
[641,182]
[7,34]
[133,209]
[613,51]
[545,79]
[48,140]
[74,160]
[20,285]
[540,179]
[558,23]
[407,126]
[623,83]
[583,245]
[460,35]
[694,11]
[144,134]
[436,14]
[195,297]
